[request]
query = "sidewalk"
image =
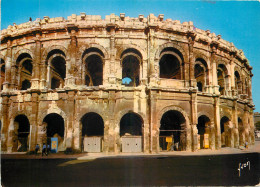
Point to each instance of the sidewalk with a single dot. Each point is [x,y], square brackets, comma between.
[86,156]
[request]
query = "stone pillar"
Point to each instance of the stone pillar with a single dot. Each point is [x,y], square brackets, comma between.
[215,85]
[36,64]
[113,137]
[191,38]
[194,121]
[112,78]
[34,121]
[12,142]
[5,123]
[252,128]
[153,64]
[77,132]
[217,123]
[212,135]
[195,135]
[72,71]
[235,125]
[43,75]
[246,125]
[70,106]
[154,127]
[42,133]
[106,135]
[8,67]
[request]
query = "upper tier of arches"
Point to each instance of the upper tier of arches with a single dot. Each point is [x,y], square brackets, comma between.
[93,65]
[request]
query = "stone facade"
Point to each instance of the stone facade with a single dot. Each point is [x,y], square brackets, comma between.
[149,79]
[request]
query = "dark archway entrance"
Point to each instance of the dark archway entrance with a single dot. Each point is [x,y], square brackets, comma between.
[22,131]
[172,131]
[241,132]
[131,131]
[55,128]
[224,131]
[203,132]
[92,132]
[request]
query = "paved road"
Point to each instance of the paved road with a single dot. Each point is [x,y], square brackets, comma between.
[133,171]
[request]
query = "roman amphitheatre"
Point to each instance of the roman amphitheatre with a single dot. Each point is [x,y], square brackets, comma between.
[122,84]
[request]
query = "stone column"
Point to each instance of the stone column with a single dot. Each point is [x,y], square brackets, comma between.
[113,137]
[77,132]
[41,134]
[217,123]
[34,121]
[212,135]
[152,63]
[71,65]
[70,106]
[43,74]
[215,85]
[36,64]
[235,125]
[107,137]
[112,78]
[191,38]
[154,127]
[5,123]
[12,142]
[194,121]
[252,127]
[8,66]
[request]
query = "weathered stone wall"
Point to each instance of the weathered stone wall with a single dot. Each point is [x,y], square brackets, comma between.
[112,40]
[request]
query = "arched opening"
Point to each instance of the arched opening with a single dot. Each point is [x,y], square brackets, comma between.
[131,61]
[200,73]
[170,64]
[131,130]
[92,132]
[130,71]
[2,78]
[170,67]
[222,78]
[58,72]
[238,83]
[54,124]
[93,65]
[22,131]
[56,65]
[241,132]
[24,74]
[224,129]
[172,131]
[203,132]
[26,84]
[94,71]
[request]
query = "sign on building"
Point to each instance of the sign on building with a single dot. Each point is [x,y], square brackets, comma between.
[54,145]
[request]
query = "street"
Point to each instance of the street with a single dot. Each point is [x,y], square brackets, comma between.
[133,171]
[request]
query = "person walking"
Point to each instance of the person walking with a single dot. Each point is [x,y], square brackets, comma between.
[43,149]
[37,147]
[246,145]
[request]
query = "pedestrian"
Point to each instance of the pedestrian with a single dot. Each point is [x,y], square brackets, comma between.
[43,149]
[48,149]
[176,146]
[37,147]
[246,145]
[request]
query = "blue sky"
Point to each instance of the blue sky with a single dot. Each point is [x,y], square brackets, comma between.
[236,21]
